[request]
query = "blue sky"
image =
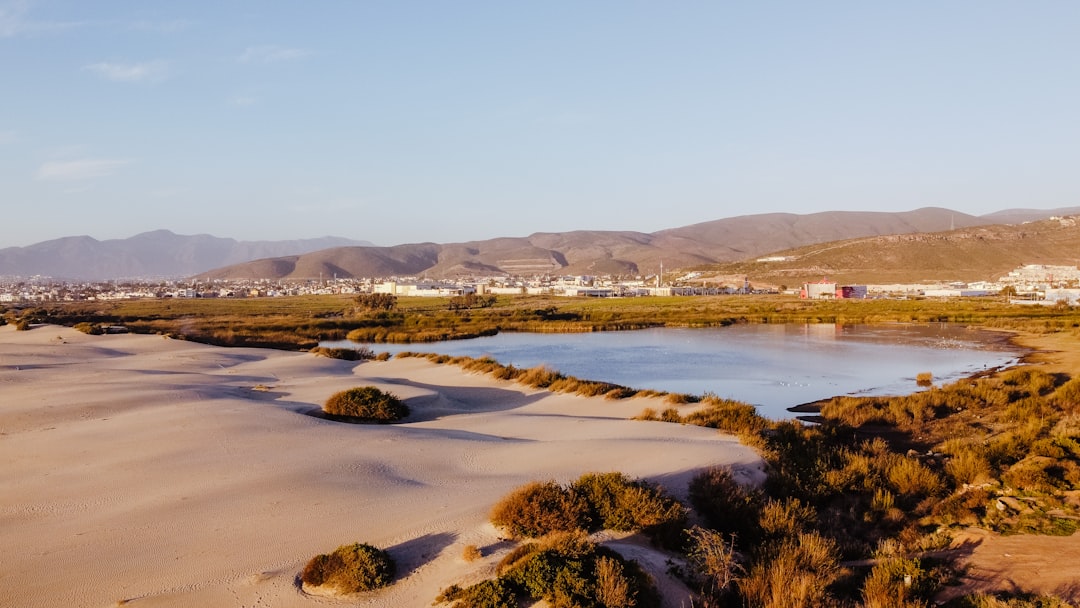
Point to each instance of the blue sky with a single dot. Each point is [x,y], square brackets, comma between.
[402,121]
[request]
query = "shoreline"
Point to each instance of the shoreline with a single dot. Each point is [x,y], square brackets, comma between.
[1036,353]
[1044,349]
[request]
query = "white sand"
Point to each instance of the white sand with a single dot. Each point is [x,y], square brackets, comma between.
[146,470]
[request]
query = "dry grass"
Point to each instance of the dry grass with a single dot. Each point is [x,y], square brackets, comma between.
[471,553]
[797,575]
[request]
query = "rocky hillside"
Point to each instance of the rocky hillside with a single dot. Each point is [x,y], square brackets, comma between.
[970,254]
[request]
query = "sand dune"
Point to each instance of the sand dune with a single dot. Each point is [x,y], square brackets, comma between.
[155,472]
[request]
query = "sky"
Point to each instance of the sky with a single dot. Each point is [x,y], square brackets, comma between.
[401,121]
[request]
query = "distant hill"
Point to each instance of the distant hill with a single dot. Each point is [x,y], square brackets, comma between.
[602,252]
[969,254]
[1019,216]
[160,253]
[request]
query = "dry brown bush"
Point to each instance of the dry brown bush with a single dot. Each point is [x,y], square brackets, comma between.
[612,586]
[350,569]
[540,508]
[968,465]
[786,518]
[796,575]
[471,553]
[714,560]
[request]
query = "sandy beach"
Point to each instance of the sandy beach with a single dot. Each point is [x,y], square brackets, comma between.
[154,472]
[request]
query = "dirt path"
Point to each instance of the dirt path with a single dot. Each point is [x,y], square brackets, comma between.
[1028,563]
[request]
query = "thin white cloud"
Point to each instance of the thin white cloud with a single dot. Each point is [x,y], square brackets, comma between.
[14,21]
[149,71]
[75,170]
[271,54]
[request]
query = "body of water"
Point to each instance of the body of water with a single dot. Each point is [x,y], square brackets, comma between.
[771,366]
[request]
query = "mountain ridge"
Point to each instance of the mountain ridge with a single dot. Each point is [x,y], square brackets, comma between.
[164,254]
[152,254]
[626,253]
[978,253]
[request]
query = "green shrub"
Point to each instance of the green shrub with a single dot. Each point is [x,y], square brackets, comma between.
[619,503]
[491,593]
[350,569]
[539,508]
[566,570]
[366,403]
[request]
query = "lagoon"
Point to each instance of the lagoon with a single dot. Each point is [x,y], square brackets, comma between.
[771,366]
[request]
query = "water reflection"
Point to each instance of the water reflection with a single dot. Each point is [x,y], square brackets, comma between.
[772,366]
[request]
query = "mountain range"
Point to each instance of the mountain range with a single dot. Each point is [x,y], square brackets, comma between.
[155,254]
[617,252]
[165,254]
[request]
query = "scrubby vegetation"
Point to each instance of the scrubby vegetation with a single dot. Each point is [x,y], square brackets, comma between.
[360,353]
[540,508]
[595,501]
[350,569]
[888,477]
[90,328]
[540,376]
[564,569]
[366,404]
